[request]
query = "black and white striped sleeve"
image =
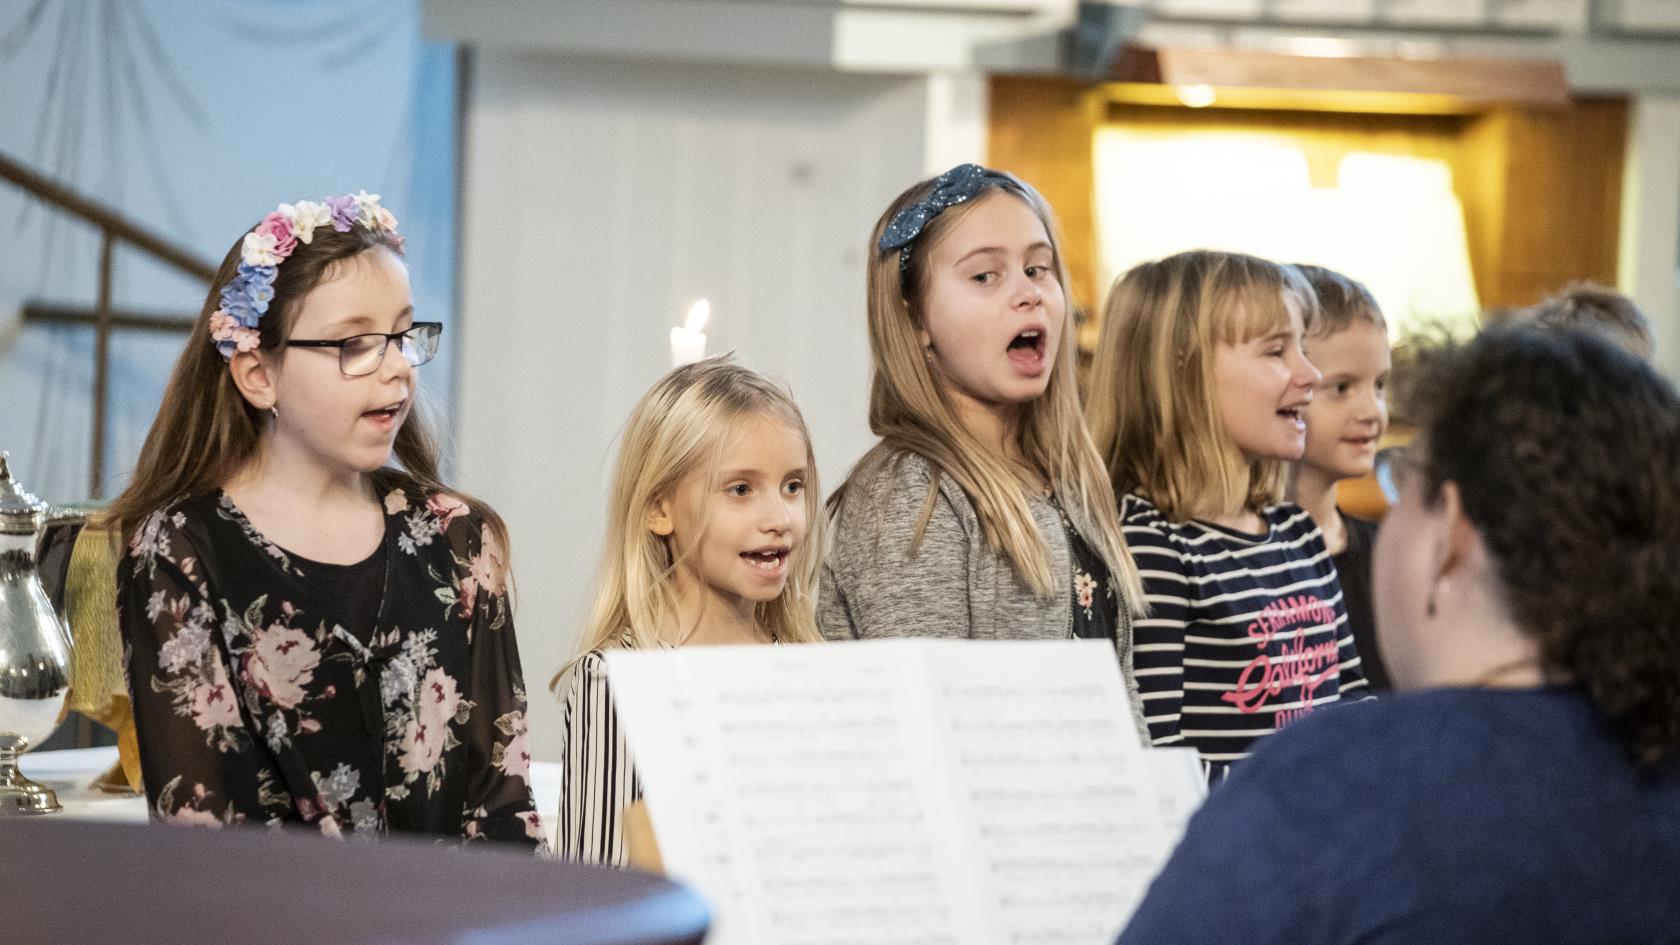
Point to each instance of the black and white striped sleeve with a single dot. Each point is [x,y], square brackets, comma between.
[598,778]
[1158,636]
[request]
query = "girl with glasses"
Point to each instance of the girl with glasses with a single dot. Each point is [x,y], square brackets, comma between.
[1525,784]
[317,635]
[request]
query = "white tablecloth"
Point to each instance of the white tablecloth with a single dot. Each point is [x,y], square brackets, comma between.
[69,773]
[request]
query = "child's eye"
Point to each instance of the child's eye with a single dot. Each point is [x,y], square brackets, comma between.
[1037,272]
[1382,383]
[984,278]
[1342,387]
[739,489]
[793,487]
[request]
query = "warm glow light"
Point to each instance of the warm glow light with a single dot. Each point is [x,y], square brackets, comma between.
[1323,46]
[697,315]
[1392,222]
[1196,96]
[688,341]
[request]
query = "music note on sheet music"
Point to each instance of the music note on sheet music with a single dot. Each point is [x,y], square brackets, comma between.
[904,792]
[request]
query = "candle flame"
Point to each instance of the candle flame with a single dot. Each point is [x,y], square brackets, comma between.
[697,315]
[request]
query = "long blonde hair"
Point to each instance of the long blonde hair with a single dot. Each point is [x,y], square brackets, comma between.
[910,410]
[205,431]
[1153,409]
[682,425]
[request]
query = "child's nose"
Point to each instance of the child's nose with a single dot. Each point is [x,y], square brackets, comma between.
[777,518]
[1306,375]
[1028,292]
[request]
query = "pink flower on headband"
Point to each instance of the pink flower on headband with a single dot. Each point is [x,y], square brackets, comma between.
[276,225]
[246,339]
[385,219]
[222,325]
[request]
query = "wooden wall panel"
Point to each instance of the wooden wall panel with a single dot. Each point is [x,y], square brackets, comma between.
[1541,187]
[1559,218]
[1042,131]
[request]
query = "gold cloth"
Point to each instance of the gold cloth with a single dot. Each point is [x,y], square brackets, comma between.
[97,689]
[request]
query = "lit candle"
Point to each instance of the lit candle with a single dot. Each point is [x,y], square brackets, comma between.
[688,342]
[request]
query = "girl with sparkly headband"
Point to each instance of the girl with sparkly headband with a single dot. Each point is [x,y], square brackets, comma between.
[316,635]
[984,512]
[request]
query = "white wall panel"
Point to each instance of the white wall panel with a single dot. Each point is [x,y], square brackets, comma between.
[600,199]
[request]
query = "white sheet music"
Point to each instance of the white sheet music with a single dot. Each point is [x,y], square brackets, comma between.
[904,792]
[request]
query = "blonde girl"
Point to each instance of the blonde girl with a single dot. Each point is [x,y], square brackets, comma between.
[317,635]
[984,512]
[713,537]
[1197,402]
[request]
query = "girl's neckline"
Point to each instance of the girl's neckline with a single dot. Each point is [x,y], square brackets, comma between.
[256,534]
[1226,530]
[1237,533]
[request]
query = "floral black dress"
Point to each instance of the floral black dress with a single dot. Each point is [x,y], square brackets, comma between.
[1096,601]
[381,696]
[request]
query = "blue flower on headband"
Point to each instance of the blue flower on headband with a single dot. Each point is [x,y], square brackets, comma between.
[957,185]
[247,294]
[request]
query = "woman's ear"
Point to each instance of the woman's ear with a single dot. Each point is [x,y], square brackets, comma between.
[253,374]
[658,516]
[1459,538]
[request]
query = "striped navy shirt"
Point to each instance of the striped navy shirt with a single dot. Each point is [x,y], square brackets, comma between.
[1244,634]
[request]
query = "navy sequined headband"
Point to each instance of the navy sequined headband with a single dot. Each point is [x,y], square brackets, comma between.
[957,185]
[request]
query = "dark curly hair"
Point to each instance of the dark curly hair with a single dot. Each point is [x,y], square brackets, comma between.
[1566,451]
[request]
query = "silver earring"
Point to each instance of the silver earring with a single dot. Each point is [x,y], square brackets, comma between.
[275,411]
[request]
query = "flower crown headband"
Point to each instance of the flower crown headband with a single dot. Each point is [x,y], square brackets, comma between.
[245,298]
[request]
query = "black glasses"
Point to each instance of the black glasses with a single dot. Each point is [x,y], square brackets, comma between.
[360,355]
[1393,465]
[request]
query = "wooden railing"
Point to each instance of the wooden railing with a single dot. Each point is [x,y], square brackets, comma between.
[113,228]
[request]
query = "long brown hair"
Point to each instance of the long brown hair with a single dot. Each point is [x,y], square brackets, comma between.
[206,432]
[910,410]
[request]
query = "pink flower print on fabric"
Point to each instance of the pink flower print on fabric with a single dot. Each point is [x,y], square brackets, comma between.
[424,739]
[513,758]
[489,566]
[280,663]
[445,508]
[1085,587]
[213,703]
[486,570]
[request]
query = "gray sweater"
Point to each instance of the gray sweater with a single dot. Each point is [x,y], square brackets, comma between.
[954,586]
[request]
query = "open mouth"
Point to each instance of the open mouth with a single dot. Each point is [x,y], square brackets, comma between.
[1294,415]
[1027,349]
[768,559]
[387,413]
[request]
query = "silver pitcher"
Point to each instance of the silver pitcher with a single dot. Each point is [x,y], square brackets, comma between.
[34,650]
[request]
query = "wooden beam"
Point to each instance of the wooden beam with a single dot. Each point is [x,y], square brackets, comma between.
[39,313]
[1474,82]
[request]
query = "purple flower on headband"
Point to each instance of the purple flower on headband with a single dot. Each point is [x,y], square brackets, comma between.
[344,212]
